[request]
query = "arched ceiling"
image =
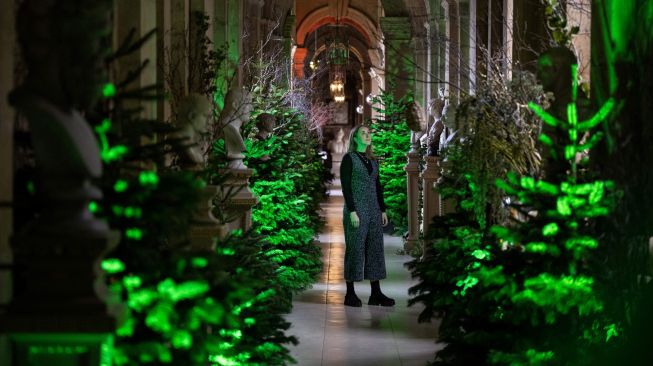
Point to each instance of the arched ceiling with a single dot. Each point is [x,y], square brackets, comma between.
[364,16]
[312,15]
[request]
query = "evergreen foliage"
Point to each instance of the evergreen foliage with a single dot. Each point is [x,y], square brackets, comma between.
[391,141]
[512,281]
[179,306]
[290,184]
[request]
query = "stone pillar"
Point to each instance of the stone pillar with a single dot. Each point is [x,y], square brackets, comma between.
[454,51]
[287,32]
[8,45]
[400,56]
[299,57]
[141,16]
[237,199]
[412,185]
[421,71]
[432,204]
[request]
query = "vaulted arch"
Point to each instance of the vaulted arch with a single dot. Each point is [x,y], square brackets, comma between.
[353,17]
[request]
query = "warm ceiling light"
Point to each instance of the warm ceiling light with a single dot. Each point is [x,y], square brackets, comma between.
[337,86]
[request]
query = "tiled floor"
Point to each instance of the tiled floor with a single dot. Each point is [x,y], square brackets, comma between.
[332,334]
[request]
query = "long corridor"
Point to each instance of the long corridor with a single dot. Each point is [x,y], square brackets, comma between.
[331,334]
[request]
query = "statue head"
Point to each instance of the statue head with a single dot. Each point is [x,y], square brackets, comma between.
[415,117]
[194,112]
[340,134]
[435,107]
[265,122]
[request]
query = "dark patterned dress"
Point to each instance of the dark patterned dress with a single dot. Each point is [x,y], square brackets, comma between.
[363,193]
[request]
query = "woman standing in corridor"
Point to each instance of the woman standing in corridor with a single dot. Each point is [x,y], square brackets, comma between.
[364,218]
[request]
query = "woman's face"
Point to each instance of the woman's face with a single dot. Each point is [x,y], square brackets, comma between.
[364,137]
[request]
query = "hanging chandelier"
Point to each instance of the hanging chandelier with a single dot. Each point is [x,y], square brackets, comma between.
[337,59]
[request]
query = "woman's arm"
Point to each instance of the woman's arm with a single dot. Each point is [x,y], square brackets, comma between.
[379,193]
[345,180]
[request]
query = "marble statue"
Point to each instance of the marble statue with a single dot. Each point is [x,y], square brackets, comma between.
[337,146]
[65,73]
[265,124]
[417,125]
[237,110]
[192,121]
[437,127]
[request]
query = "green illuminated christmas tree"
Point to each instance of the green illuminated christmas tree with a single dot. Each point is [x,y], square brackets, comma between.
[178,306]
[538,271]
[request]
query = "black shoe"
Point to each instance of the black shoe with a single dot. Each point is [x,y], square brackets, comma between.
[381,300]
[353,300]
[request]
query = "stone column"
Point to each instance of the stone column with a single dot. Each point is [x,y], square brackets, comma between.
[141,16]
[287,32]
[400,56]
[432,204]
[421,71]
[8,45]
[299,57]
[412,185]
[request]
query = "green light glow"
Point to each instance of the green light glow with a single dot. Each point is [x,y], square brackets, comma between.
[581,242]
[182,339]
[227,251]
[148,178]
[134,233]
[469,282]
[610,332]
[527,183]
[233,333]
[120,186]
[563,207]
[133,212]
[546,140]
[109,90]
[480,254]
[113,265]
[108,153]
[199,262]
[141,298]
[546,117]
[550,229]
[132,282]
[598,117]
[547,188]
[93,207]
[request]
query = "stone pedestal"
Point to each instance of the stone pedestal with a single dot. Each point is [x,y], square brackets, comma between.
[336,160]
[412,173]
[204,226]
[432,204]
[57,315]
[237,199]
